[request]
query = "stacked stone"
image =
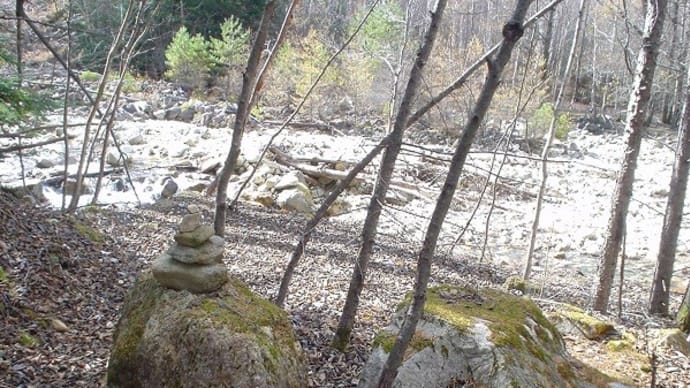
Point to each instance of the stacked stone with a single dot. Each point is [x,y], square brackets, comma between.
[195,262]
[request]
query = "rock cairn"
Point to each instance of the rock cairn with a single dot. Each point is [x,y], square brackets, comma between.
[195,262]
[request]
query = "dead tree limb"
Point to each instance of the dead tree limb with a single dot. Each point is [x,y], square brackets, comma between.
[34,145]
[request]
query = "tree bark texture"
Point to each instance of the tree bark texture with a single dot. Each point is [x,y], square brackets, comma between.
[342,335]
[243,109]
[512,32]
[659,295]
[636,116]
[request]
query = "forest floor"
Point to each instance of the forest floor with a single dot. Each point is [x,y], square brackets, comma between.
[68,276]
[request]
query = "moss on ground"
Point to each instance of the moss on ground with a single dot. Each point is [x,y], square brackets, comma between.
[27,339]
[87,231]
[3,275]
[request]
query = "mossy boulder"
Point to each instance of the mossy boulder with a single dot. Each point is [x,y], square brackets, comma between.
[673,339]
[231,338]
[574,321]
[519,284]
[483,338]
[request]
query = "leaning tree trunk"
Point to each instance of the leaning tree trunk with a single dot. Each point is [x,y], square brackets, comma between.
[658,300]
[243,108]
[549,141]
[342,335]
[639,101]
[512,31]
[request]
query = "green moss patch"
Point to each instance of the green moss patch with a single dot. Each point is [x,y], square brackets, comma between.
[591,327]
[520,284]
[244,312]
[27,339]
[87,231]
[138,308]
[419,341]
[3,275]
[506,315]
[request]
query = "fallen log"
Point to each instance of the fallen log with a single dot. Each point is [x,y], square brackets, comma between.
[34,145]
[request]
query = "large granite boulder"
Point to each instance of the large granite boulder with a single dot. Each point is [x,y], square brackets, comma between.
[231,338]
[486,338]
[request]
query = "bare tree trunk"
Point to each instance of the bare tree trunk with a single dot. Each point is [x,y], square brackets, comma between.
[65,116]
[670,89]
[512,32]
[658,300]
[549,141]
[342,335]
[315,83]
[243,108]
[19,12]
[253,95]
[639,101]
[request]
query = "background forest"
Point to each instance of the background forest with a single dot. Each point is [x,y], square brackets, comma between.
[488,143]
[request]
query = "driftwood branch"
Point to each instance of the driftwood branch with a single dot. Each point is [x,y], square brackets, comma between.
[34,145]
[309,169]
[318,125]
[56,180]
[37,129]
[316,172]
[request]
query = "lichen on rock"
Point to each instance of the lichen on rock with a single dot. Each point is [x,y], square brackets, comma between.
[229,338]
[481,337]
[575,321]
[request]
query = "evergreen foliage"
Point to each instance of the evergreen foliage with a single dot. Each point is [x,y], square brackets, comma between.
[17,103]
[231,49]
[97,22]
[188,59]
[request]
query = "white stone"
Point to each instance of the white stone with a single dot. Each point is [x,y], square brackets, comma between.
[290,180]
